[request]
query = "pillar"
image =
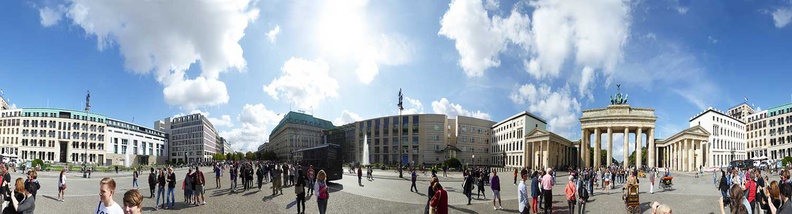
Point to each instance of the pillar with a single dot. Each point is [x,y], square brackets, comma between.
[545,157]
[651,156]
[700,155]
[684,156]
[638,145]
[610,147]
[691,156]
[582,148]
[626,147]
[597,147]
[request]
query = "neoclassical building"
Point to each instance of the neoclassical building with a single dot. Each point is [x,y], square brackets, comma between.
[686,150]
[547,149]
[618,117]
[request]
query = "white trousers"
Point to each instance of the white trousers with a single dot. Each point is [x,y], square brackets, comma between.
[651,188]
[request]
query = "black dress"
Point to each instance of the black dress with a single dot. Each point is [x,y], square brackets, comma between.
[11,209]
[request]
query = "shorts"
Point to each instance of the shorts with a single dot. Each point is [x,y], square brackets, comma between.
[495,194]
[199,190]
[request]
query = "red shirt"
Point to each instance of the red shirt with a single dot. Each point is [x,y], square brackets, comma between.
[440,200]
[751,186]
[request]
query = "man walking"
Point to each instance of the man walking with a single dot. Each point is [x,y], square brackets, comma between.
[200,187]
[152,181]
[414,178]
[652,174]
[218,173]
[467,187]
[547,190]
[522,193]
[495,186]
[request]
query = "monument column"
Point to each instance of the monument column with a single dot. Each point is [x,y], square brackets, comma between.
[610,147]
[651,156]
[638,147]
[626,147]
[597,147]
[581,151]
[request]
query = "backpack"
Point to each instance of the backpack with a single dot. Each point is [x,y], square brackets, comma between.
[583,193]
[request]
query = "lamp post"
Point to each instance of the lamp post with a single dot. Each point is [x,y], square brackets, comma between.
[85,145]
[474,159]
[400,142]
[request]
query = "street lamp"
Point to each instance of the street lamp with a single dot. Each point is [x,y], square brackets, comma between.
[474,159]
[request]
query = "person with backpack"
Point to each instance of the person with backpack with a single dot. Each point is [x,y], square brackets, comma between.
[583,196]
[467,187]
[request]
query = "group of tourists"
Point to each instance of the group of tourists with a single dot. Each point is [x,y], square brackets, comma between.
[19,196]
[747,191]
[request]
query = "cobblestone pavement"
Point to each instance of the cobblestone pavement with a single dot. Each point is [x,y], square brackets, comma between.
[385,194]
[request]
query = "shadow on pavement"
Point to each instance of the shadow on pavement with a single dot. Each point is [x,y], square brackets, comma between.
[251,193]
[335,187]
[50,197]
[270,197]
[460,209]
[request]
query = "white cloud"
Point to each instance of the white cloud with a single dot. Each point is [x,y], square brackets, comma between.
[346,118]
[304,83]
[479,39]
[272,35]
[51,16]
[682,10]
[182,33]
[367,70]
[257,123]
[491,5]
[412,106]
[712,40]
[587,76]
[443,106]
[593,33]
[224,120]
[782,17]
[558,108]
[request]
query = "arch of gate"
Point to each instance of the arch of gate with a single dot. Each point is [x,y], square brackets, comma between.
[617,118]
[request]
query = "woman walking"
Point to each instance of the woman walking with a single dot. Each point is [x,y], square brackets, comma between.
[570,193]
[439,203]
[161,190]
[430,193]
[299,190]
[480,186]
[321,191]
[535,192]
[62,185]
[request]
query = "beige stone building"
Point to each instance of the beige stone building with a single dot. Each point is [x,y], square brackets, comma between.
[296,131]
[473,137]
[617,118]
[192,138]
[509,147]
[685,151]
[547,149]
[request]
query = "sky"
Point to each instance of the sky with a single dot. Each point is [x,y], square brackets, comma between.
[246,63]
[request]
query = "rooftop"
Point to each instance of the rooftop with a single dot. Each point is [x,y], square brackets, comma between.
[302,118]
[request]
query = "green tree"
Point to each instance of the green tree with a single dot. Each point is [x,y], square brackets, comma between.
[452,163]
[786,160]
[250,156]
[631,159]
[603,157]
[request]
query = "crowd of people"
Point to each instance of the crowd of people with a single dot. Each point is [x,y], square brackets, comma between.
[748,191]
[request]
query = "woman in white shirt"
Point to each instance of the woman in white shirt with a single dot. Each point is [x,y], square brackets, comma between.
[62,186]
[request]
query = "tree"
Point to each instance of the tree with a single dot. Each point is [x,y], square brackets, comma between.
[452,163]
[631,159]
[603,157]
[269,155]
[250,156]
[786,160]
[239,156]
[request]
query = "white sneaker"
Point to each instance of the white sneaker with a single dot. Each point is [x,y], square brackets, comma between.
[500,207]
[204,202]
[495,208]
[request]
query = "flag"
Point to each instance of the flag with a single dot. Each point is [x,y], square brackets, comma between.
[746,99]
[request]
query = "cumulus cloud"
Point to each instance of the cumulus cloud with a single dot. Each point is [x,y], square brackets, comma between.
[51,16]
[182,33]
[452,110]
[272,35]
[346,118]
[782,17]
[412,106]
[479,39]
[304,83]
[558,108]
[257,123]
[224,120]
[593,33]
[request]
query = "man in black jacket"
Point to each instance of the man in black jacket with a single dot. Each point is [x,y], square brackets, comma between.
[468,187]
[152,181]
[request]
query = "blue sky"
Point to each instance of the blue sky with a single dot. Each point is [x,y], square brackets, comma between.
[245,63]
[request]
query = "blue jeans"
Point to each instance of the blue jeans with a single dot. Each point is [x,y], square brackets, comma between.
[134,183]
[170,197]
[161,192]
[322,205]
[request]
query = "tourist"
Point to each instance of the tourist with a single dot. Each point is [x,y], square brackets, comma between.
[440,200]
[161,190]
[414,177]
[170,197]
[299,190]
[5,186]
[133,202]
[291,174]
[606,187]
[106,204]
[311,180]
[135,179]
[584,196]
[430,191]
[152,181]
[18,193]
[539,187]
[773,197]
[664,209]
[547,191]
[522,194]
[495,186]
[232,173]
[570,194]
[322,192]
[652,175]
[32,178]
[62,186]
[467,187]
[259,176]
[535,189]
[750,187]
[187,186]
[218,173]
[28,204]
[285,169]
[515,176]
[199,181]
[360,177]
[480,186]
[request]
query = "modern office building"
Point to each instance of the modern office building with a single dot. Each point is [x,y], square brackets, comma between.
[131,144]
[192,138]
[295,131]
[770,133]
[473,137]
[727,140]
[757,135]
[53,135]
[508,137]
[343,136]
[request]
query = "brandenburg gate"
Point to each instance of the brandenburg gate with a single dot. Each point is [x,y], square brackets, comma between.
[618,117]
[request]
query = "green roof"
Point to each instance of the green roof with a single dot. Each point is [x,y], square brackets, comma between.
[56,111]
[781,107]
[304,119]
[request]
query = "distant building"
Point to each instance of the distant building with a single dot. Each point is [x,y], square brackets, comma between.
[508,147]
[727,140]
[297,131]
[192,138]
[343,136]
[132,144]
